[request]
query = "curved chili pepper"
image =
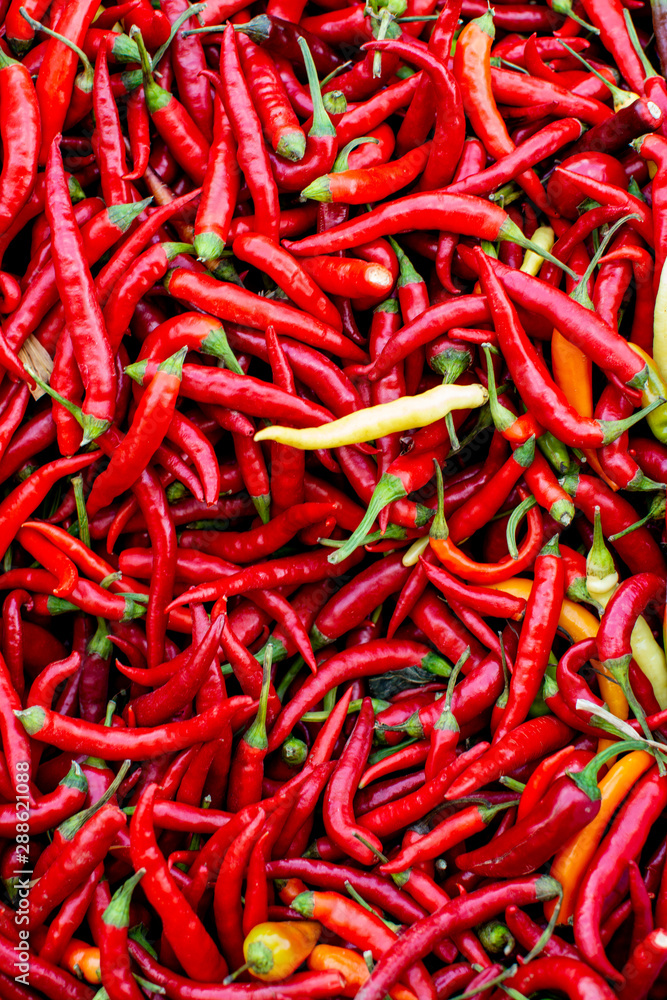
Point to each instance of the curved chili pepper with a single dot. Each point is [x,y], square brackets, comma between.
[321,143]
[562,812]
[547,402]
[571,976]
[355,185]
[432,209]
[451,832]
[148,429]
[358,926]
[358,599]
[247,766]
[492,602]
[449,135]
[376,656]
[249,546]
[578,324]
[139,744]
[253,248]
[21,137]
[459,914]
[472,69]
[81,308]
[339,819]
[55,79]
[393,816]
[538,631]
[219,189]
[623,842]
[52,980]
[152,265]
[107,140]
[238,305]
[329,383]
[12,637]
[180,133]
[156,707]
[201,960]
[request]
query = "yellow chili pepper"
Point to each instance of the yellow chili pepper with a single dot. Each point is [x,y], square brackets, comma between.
[274,950]
[377,421]
[656,386]
[602,584]
[544,237]
[411,557]
[570,864]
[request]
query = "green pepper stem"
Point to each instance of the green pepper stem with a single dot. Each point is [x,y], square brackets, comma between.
[321,122]
[388,489]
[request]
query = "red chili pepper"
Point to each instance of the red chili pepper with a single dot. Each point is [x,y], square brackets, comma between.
[148,429]
[396,815]
[180,133]
[107,140]
[191,942]
[451,832]
[449,134]
[57,72]
[252,156]
[238,305]
[113,743]
[459,914]
[562,813]
[371,658]
[339,819]
[472,69]
[360,927]
[624,841]
[247,766]
[82,312]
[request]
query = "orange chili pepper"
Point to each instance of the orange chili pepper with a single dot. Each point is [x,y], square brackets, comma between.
[83,960]
[570,864]
[353,968]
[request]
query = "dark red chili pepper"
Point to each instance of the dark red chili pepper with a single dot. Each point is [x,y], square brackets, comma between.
[396,815]
[562,812]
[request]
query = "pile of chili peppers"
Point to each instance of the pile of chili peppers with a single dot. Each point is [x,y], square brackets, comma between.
[333,457]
